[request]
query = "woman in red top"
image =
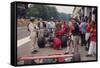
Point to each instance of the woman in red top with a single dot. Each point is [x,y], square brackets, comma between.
[87,35]
[61,29]
[92,48]
[57,31]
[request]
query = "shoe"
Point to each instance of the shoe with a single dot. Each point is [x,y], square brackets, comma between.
[35,50]
[89,55]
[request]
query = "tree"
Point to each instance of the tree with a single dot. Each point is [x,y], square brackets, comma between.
[46,12]
[63,16]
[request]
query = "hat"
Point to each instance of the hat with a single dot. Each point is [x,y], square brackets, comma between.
[32,19]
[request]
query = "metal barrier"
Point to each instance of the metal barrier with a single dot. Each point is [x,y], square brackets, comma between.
[42,57]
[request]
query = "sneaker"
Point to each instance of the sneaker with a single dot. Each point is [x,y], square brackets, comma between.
[33,52]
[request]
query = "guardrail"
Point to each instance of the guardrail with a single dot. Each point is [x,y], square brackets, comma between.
[43,57]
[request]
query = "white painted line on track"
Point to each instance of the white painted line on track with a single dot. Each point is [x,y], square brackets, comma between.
[23,41]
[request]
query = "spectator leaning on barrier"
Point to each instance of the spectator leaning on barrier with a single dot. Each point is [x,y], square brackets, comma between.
[33,34]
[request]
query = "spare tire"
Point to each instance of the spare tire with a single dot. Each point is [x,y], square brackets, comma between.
[41,42]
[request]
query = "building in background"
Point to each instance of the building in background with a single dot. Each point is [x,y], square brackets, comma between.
[84,12]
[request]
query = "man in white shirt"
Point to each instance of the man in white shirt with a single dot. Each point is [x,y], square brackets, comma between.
[33,35]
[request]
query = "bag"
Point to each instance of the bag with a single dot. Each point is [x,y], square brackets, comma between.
[41,42]
[28,27]
[76,30]
[76,57]
[64,41]
[56,43]
[76,27]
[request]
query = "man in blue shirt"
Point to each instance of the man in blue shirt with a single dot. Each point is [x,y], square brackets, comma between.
[83,31]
